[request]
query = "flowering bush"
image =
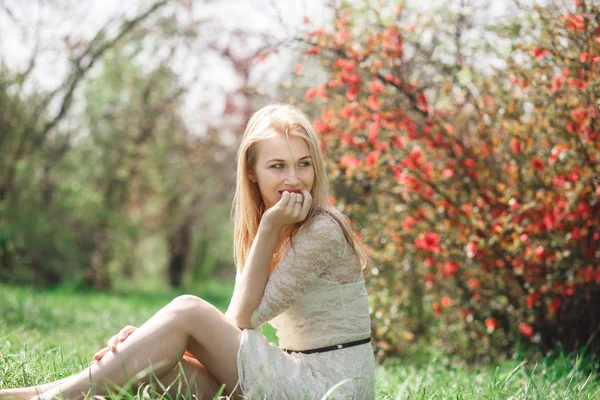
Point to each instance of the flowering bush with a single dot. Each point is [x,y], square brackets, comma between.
[477,192]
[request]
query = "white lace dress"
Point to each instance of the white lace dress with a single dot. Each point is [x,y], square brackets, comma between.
[316,297]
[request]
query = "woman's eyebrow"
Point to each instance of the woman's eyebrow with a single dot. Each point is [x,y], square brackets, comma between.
[280,160]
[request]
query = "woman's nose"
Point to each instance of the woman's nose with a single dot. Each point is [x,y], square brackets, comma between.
[292,177]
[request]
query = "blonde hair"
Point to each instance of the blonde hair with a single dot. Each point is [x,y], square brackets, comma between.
[248,205]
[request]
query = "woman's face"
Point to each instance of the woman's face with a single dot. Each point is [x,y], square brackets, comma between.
[282,164]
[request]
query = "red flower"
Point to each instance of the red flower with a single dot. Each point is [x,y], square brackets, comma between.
[525,329]
[351,93]
[409,223]
[446,302]
[540,52]
[531,299]
[473,283]
[557,83]
[492,324]
[349,162]
[555,305]
[471,249]
[450,268]
[310,94]
[515,146]
[538,164]
[373,103]
[372,158]
[376,87]
[429,241]
[573,22]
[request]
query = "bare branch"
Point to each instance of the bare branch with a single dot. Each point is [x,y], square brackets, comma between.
[93,55]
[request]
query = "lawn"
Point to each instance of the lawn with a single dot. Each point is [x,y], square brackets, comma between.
[49,334]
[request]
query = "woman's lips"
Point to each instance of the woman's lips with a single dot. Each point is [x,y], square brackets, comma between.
[290,190]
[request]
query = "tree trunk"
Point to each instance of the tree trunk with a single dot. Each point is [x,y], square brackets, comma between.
[179,248]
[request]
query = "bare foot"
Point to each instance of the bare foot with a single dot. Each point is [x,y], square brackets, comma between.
[17,394]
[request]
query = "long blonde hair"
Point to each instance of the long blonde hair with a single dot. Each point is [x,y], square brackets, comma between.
[248,205]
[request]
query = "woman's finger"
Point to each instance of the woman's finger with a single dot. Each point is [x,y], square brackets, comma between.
[306,203]
[100,353]
[112,342]
[298,203]
[125,332]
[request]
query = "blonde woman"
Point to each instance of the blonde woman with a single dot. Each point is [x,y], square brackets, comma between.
[299,267]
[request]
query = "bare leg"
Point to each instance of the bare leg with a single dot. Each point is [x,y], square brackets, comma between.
[157,347]
[30,391]
[189,376]
[192,378]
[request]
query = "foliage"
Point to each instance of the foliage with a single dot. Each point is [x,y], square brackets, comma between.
[477,189]
[101,177]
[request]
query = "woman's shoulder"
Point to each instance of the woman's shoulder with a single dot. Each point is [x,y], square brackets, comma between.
[323,224]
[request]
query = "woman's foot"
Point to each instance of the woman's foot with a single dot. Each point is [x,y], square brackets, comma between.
[17,394]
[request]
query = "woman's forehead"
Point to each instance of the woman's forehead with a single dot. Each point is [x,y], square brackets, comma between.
[282,147]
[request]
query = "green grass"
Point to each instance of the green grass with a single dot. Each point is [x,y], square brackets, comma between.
[49,334]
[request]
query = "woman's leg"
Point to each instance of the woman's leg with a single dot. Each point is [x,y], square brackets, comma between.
[30,391]
[157,347]
[188,376]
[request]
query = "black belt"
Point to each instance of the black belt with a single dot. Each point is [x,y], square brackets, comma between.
[329,348]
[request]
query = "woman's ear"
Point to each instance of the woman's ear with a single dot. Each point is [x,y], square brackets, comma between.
[252,177]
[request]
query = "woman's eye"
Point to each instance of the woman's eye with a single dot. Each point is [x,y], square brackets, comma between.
[304,164]
[277,166]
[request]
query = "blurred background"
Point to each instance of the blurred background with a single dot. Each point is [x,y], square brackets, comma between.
[462,139]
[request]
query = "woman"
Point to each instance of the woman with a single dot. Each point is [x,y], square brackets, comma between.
[299,267]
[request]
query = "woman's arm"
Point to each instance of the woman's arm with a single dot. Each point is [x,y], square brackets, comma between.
[250,286]
[251,282]
[317,246]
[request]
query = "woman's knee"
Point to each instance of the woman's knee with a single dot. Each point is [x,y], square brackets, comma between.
[186,306]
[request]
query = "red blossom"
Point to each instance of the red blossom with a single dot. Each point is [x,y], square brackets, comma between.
[310,94]
[538,164]
[351,93]
[573,22]
[373,102]
[531,299]
[473,283]
[555,305]
[372,158]
[492,324]
[429,241]
[313,51]
[376,87]
[450,268]
[409,223]
[537,52]
[472,248]
[526,329]
[515,146]
[349,162]
[446,302]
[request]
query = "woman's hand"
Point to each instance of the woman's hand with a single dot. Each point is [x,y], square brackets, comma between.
[290,209]
[111,345]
